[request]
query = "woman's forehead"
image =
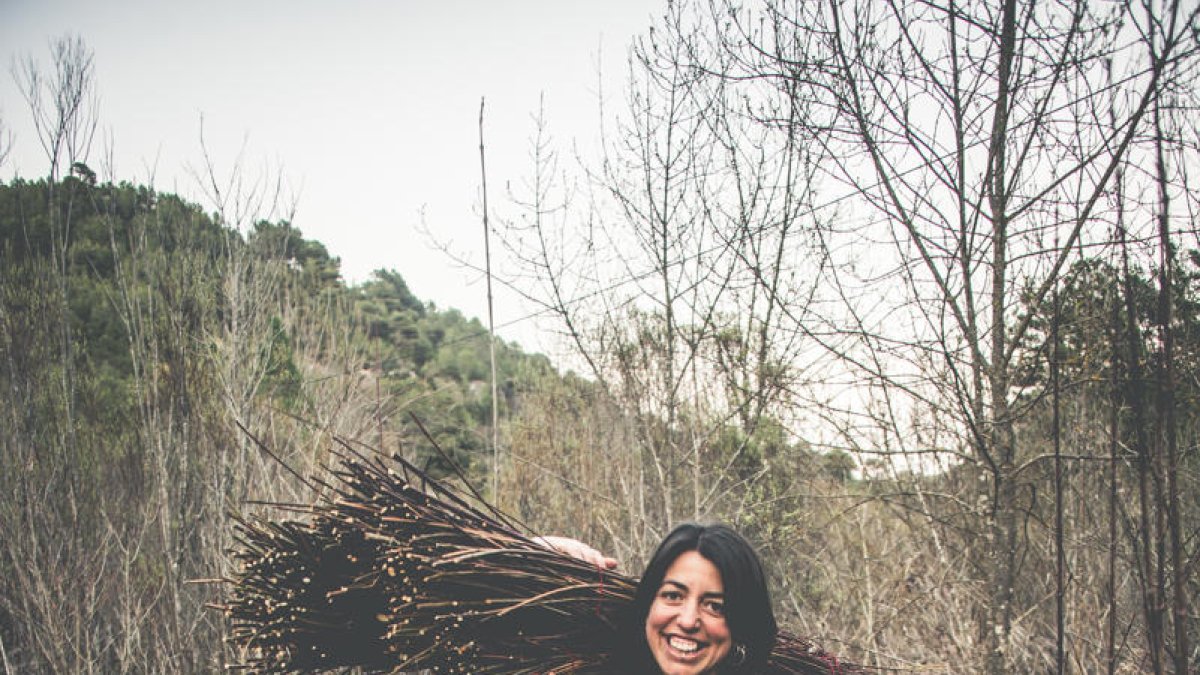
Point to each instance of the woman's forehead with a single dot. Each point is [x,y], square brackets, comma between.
[694,572]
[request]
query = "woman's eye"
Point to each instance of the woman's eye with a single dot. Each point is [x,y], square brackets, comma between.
[716,607]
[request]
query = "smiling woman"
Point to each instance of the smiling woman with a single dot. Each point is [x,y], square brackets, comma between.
[702,606]
[392,571]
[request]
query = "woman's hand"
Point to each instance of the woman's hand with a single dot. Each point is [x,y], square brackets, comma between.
[578,549]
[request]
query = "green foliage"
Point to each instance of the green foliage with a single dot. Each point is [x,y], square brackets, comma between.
[437,358]
[282,241]
[438,362]
[1093,314]
[282,376]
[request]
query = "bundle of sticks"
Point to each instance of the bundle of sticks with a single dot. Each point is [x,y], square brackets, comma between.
[391,571]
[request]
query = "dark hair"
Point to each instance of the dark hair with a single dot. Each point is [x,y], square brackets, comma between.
[747,602]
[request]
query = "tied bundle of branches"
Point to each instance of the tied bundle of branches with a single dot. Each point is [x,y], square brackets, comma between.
[387,576]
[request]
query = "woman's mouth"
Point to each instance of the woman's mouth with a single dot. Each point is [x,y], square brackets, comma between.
[686,647]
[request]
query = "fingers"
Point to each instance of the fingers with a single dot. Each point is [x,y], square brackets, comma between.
[599,559]
[578,549]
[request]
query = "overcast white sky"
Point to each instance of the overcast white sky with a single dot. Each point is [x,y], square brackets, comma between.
[369,109]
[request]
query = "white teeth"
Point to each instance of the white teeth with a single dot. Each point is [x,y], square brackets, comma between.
[683,644]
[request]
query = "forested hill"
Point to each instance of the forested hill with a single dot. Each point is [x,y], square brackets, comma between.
[123,288]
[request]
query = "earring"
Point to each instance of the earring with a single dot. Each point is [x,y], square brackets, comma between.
[739,654]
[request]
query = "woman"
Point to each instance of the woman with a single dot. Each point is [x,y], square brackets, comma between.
[702,605]
[389,576]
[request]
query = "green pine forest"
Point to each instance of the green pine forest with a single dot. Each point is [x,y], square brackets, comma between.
[907,294]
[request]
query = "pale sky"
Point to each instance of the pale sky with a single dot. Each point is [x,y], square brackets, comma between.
[368,109]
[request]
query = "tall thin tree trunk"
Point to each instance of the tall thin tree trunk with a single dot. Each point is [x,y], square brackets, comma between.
[487,256]
[1166,402]
[1114,448]
[1134,398]
[1060,579]
[1003,528]
[1116,376]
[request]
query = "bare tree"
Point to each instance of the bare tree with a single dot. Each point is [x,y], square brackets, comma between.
[1172,554]
[965,137]
[49,538]
[63,106]
[669,283]
[63,102]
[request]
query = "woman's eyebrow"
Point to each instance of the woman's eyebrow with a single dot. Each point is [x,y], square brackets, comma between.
[683,587]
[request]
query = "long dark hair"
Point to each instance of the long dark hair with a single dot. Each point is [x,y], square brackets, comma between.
[747,602]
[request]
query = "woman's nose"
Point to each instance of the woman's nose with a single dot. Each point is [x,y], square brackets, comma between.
[689,617]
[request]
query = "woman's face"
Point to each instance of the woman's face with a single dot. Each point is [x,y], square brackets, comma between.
[686,628]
